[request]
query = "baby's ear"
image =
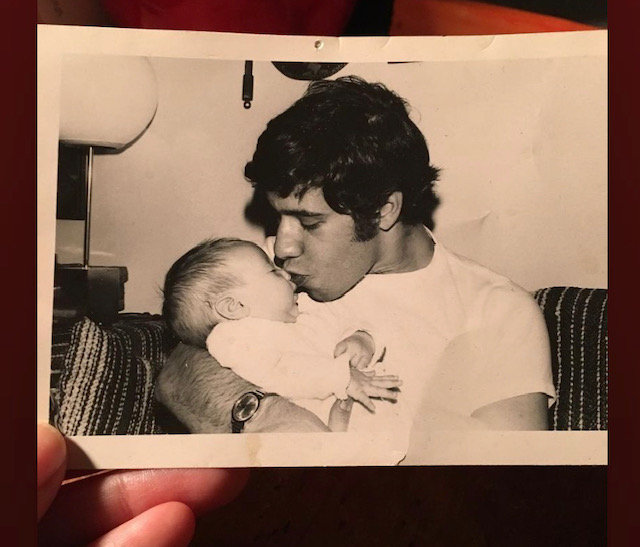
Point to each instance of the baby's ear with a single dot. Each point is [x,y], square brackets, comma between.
[230,308]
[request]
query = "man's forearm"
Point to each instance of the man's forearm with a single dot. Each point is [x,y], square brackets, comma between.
[198,390]
[201,393]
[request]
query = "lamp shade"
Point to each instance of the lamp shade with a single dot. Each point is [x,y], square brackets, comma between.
[106,101]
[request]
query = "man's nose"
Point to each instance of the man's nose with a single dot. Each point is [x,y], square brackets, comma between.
[288,244]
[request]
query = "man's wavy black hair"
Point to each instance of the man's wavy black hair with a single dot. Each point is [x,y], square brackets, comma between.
[355,141]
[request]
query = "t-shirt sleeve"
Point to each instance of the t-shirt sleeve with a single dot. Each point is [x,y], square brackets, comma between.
[518,362]
[505,355]
[268,354]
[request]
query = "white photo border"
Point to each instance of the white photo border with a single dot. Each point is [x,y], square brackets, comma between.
[275,450]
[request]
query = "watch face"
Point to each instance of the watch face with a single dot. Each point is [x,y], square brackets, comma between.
[245,407]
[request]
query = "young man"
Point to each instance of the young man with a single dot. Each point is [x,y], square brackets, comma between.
[349,176]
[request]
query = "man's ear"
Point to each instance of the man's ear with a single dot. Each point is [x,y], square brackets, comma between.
[230,308]
[390,211]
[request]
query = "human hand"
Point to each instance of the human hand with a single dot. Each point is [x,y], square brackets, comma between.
[116,508]
[359,347]
[364,385]
[339,414]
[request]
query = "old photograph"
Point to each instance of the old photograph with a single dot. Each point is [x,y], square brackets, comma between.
[283,251]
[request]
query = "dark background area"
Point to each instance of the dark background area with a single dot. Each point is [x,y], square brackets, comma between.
[415,507]
[591,12]
[374,17]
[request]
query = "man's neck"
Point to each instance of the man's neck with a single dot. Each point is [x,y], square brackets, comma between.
[404,249]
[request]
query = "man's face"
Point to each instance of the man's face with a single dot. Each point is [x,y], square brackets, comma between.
[317,246]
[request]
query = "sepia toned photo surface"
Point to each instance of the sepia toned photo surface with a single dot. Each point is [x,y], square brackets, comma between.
[293,251]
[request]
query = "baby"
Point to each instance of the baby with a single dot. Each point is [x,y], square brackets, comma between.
[227,295]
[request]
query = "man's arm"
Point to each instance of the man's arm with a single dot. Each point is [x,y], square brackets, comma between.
[201,393]
[523,413]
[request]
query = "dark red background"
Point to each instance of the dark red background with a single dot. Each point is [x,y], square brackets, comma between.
[488,506]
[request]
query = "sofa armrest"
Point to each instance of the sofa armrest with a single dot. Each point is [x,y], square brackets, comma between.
[103,378]
[577,322]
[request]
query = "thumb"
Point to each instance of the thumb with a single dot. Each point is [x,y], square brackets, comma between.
[361,362]
[52,459]
[340,349]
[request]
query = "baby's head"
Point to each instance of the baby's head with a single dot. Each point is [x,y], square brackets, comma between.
[225,280]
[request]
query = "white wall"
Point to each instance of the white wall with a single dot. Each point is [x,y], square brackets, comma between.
[522,146]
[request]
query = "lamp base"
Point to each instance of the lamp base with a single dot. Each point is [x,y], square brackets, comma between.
[96,292]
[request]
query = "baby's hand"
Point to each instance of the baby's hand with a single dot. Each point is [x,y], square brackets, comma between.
[364,385]
[359,347]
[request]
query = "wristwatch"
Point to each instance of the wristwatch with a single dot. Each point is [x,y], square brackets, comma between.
[245,408]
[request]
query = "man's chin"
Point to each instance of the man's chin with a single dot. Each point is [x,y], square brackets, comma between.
[321,296]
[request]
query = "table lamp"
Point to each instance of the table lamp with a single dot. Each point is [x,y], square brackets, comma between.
[106,104]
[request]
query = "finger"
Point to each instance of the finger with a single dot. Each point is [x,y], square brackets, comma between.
[87,508]
[382,393]
[346,404]
[362,361]
[52,460]
[341,348]
[387,383]
[170,524]
[365,401]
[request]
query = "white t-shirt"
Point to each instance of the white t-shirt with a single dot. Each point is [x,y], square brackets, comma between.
[457,334]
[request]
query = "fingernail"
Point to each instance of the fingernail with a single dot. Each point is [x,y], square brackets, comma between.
[52,451]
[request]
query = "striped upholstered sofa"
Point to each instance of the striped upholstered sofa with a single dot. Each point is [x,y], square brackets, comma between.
[102,379]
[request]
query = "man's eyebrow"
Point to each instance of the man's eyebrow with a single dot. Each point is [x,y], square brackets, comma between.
[300,213]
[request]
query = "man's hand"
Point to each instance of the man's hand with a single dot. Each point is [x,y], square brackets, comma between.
[364,385]
[340,414]
[146,508]
[360,348]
